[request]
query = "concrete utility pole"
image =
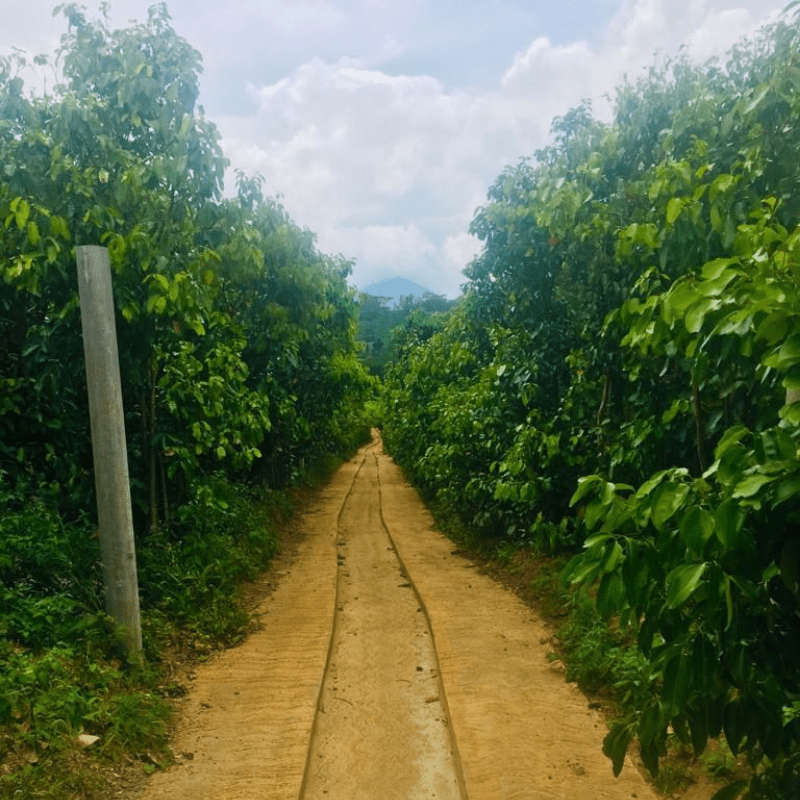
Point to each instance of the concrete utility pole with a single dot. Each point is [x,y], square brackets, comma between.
[117,550]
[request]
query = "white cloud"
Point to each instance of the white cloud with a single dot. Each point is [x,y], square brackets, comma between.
[706,42]
[405,250]
[543,64]
[388,167]
[709,27]
[459,250]
[369,160]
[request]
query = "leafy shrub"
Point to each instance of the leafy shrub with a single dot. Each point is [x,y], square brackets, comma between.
[191,572]
[598,659]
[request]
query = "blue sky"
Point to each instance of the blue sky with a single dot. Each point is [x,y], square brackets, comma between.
[383,123]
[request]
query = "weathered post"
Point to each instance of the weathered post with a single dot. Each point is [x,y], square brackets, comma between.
[117,550]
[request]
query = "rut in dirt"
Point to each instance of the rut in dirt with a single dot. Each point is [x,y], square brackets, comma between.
[387,668]
[382,727]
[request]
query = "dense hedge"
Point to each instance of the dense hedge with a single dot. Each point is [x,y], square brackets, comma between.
[615,383]
[239,366]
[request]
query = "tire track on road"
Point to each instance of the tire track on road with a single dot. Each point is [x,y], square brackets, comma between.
[387,668]
[246,725]
[382,728]
[522,732]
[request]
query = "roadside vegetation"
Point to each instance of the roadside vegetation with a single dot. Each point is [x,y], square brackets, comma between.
[241,378]
[619,386]
[378,320]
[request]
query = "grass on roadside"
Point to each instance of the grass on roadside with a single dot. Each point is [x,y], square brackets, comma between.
[73,713]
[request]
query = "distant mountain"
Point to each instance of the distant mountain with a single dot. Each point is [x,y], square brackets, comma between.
[395,288]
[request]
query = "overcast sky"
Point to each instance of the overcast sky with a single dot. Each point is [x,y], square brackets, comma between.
[382,123]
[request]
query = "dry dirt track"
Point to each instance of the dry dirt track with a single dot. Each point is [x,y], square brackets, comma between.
[387,668]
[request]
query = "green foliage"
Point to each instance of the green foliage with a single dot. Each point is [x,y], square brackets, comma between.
[600,660]
[621,380]
[240,371]
[191,573]
[50,699]
[237,337]
[61,668]
[377,320]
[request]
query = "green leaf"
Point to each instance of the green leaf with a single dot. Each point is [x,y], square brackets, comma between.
[697,313]
[611,557]
[597,541]
[677,676]
[773,328]
[714,269]
[732,463]
[681,296]
[581,569]
[786,356]
[565,576]
[635,575]
[33,234]
[751,485]
[698,730]
[649,485]
[735,723]
[652,729]
[731,436]
[790,414]
[791,380]
[667,499]
[59,227]
[674,208]
[775,444]
[728,602]
[584,487]
[729,522]
[787,489]
[731,791]
[610,593]
[615,746]
[697,527]
[756,98]
[22,211]
[737,323]
[682,583]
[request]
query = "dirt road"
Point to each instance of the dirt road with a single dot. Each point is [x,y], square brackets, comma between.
[387,668]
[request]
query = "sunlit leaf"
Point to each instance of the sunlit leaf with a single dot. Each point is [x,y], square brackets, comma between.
[682,583]
[750,485]
[667,499]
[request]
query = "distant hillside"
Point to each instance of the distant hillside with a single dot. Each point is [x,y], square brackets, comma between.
[395,288]
[378,317]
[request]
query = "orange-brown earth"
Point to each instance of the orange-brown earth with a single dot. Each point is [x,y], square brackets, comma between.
[387,667]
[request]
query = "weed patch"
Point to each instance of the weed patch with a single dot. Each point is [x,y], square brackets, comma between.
[64,680]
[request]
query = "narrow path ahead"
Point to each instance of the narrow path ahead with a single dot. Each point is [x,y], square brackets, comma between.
[388,668]
[382,729]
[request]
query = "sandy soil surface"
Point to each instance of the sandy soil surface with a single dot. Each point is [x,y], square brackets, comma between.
[387,667]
